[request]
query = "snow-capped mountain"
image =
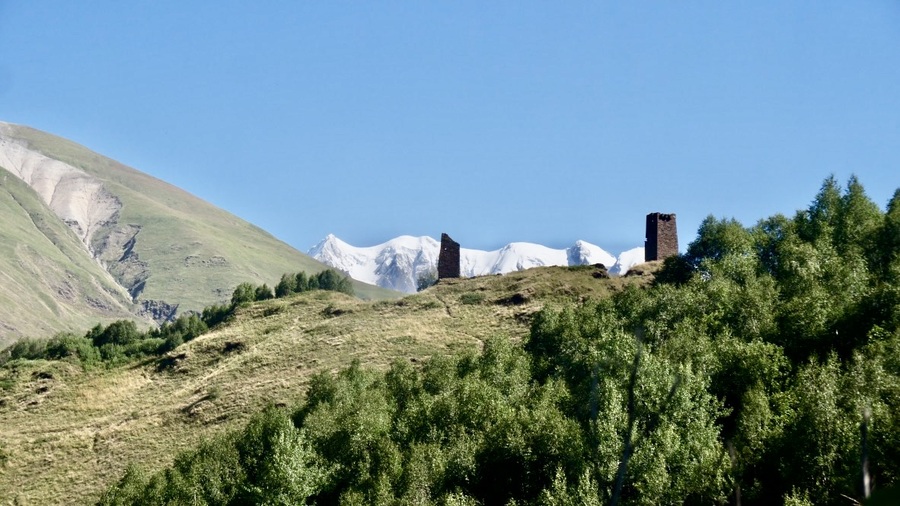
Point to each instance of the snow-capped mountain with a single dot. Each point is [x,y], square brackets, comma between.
[397,264]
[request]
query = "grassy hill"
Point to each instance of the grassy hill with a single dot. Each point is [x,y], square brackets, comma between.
[160,244]
[47,282]
[67,434]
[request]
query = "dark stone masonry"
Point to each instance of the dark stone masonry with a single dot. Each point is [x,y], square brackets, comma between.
[662,237]
[448,260]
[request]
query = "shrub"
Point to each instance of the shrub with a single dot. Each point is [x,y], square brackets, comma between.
[471,298]
[122,332]
[244,293]
[30,349]
[263,293]
[216,314]
[66,345]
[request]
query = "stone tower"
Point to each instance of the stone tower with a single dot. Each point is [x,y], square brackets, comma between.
[662,237]
[448,260]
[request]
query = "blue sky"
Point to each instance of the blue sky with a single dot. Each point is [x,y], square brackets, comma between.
[493,121]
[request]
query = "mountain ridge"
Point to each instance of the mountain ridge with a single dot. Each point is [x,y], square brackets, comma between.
[398,263]
[88,239]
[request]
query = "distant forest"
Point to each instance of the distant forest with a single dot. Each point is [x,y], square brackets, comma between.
[762,367]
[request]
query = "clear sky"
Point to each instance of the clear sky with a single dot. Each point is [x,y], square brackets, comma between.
[493,121]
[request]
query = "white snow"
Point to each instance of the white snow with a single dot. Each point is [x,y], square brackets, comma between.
[627,260]
[397,264]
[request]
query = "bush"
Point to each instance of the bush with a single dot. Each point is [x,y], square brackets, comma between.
[65,345]
[122,333]
[29,349]
[244,293]
[171,342]
[471,298]
[263,293]
[216,314]
[268,462]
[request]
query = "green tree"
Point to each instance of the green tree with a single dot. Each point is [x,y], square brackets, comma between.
[889,239]
[263,292]
[819,449]
[287,285]
[121,333]
[280,465]
[653,403]
[717,238]
[330,279]
[302,282]
[858,222]
[244,293]
[821,218]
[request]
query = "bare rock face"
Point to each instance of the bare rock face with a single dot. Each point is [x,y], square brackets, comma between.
[662,237]
[85,205]
[79,199]
[115,252]
[448,261]
[157,310]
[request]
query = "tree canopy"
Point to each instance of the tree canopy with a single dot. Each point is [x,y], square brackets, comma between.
[748,373]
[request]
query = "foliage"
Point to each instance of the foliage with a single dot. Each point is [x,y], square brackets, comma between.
[121,341]
[328,279]
[743,371]
[269,462]
[471,298]
[244,293]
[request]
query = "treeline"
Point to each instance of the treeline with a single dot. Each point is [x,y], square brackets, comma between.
[118,343]
[762,368]
[122,341]
[289,284]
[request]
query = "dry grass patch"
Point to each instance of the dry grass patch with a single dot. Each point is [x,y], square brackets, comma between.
[67,443]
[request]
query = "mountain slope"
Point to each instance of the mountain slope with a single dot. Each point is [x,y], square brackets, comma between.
[66,434]
[164,247]
[47,282]
[398,263]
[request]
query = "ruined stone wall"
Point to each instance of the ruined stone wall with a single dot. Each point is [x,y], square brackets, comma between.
[448,260]
[662,237]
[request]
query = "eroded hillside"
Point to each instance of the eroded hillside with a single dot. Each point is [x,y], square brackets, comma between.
[149,249]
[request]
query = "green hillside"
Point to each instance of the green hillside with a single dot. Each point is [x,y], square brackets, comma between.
[162,245]
[762,364]
[47,282]
[760,367]
[67,434]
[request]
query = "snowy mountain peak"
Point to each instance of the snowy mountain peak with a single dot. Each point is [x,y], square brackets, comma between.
[398,263]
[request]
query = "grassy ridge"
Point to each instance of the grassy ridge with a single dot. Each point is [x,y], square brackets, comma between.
[196,252]
[67,434]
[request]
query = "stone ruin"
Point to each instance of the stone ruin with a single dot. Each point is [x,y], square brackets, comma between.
[662,237]
[448,260]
